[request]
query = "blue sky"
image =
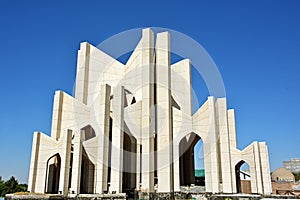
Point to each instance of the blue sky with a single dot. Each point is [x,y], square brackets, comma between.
[255,44]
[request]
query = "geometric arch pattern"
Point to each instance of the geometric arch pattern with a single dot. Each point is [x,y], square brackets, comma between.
[107,103]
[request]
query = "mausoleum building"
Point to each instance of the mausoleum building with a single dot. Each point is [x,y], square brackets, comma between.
[131,127]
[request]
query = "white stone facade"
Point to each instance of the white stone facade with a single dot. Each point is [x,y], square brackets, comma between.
[131,127]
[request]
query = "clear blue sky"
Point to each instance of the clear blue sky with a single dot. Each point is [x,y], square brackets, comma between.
[255,44]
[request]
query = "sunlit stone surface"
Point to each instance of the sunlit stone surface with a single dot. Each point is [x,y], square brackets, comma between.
[130,128]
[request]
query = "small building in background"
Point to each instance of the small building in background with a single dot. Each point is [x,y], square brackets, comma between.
[292,165]
[282,175]
[245,179]
[283,181]
[200,177]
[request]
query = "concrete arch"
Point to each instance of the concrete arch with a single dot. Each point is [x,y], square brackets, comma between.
[87,174]
[87,132]
[53,174]
[177,155]
[247,156]
[245,160]
[152,104]
[129,173]
[187,160]
[242,186]
[180,136]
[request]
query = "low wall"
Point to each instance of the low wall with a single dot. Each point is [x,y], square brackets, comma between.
[120,196]
[145,196]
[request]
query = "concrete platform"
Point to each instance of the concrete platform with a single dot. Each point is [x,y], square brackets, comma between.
[154,196]
[120,196]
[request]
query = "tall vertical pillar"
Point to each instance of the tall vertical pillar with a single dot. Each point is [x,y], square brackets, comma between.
[76,167]
[176,168]
[65,163]
[102,106]
[82,74]
[164,114]
[147,114]
[117,139]
[57,111]
[257,163]
[224,140]
[231,128]
[265,168]
[138,165]
[34,161]
[181,94]
[211,160]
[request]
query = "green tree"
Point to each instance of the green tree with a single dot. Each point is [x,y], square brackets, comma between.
[21,188]
[297,176]
[2,188]
[11,186]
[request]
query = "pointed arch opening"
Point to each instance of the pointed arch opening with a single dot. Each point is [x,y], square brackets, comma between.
[129,163]
[87,133]
[243,178]
[189,161]
[53,174]
[87,174]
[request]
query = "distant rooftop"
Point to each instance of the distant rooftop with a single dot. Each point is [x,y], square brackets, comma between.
[295,159]
[292,165]
[199,172]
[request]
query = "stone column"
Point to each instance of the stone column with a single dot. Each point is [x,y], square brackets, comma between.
[211,161]
[224,145]
[34,161]
[65,163]
[147,114]
[176,168]
[257,163]
[101,107]
[82,74]
[232,128]
[265,167]
[182,109]
[248,155]
[76,168]
[117,139]
[138,165]
[164,114]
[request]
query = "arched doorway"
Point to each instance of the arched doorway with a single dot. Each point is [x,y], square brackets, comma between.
[87,166]
[243,178]
[52,174]
[187,160]
[87,174]
[129,164]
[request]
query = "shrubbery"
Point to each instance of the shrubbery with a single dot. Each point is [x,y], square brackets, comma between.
[11,186]
[297,176]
